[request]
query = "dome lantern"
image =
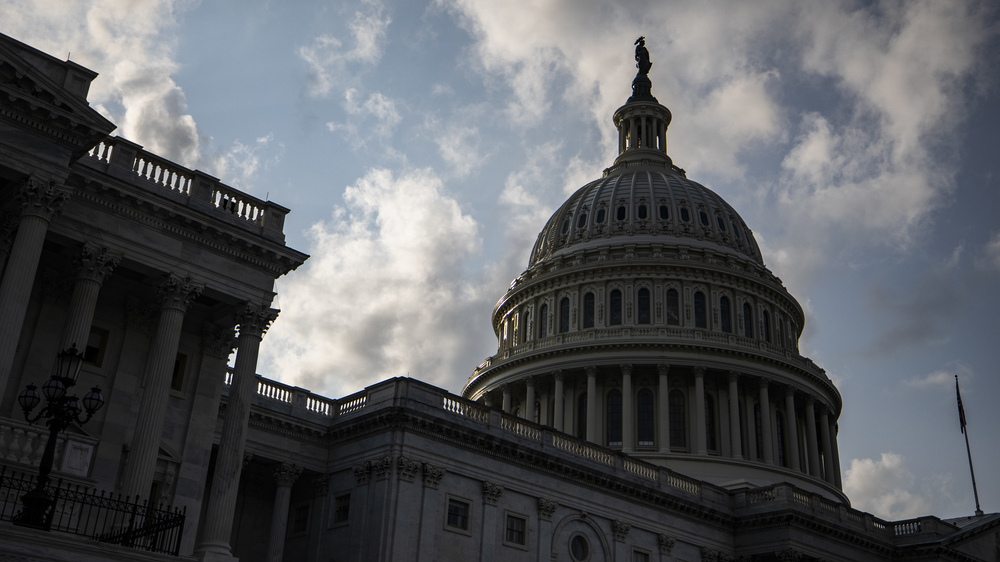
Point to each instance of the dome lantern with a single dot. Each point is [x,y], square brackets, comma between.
[642,122]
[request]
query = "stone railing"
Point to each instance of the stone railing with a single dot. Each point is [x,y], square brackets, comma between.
[126,160]
[581,448]
[518,427]
[300,397]
[22,444]
[463,407]
[642,469]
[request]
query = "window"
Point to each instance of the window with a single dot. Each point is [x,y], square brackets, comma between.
[97,341]
[747,320]
[588,310]
[581,416]
[664,212]
[564,315]
[341,508]
[458,514]
[678,420]
[758,428]
[645,417]
[673,308]
[779,423]
[699,310]
[722,224]
[614,418]
[704,217]
[767,327]
[643,312]
[515,529]
[527,322]
[565,226]
[685,216]
[543,321]
[736,231]
[537,416]
[710,424]
[582,221]
[638,556]
[600,216]
[579,549]
[727,325]
[177,378]
[620,213]
[642,212]
[615,308]
[300,519]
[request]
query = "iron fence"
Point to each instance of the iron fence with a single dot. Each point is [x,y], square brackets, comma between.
[99,516]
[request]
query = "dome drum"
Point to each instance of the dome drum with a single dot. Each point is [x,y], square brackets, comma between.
[642,132]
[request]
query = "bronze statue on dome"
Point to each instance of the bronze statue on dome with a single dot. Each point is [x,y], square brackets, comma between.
[641,85]
[642,56]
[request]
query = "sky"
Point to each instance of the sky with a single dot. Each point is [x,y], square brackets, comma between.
[421,146]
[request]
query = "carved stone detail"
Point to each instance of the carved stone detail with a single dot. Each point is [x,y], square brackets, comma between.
[408,468]
[95,263]
[709,555]
[788,555]
[218,341]
[491,492]
[177,292]
[666,543]
[320,485]
[432,476]
[41,199]
[255,319]
[363,472]
[546,508]
[620,529]
[286,474]
[382,467]
[8,231]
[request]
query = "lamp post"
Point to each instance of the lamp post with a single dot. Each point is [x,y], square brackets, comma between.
[61,410]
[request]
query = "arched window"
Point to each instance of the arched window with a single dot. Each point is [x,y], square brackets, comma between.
[600,216]
[645,414]
[664,212]
[704,218]
[581,416]
[615,308]
[620,213]
[643,312]
[758,428]
[727,324]
[642,212]
[543,321]
[588,310]
[582,221]
[722,224]
[747,320]
[685,216]
[565,226]
[779,422]
[699,310]
[673,308]
[614,418]
[710,424]
[564,315]
[678,420]
[767,327]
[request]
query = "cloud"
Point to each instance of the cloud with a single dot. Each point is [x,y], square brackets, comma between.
[239,165]
[376,117]
[328,62]
[884,488]
[917,317]
[459,144]
[942,377]
[134,52]
[990,258]
[384,293]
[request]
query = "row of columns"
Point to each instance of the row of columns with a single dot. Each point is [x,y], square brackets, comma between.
[825,444]
[40,201]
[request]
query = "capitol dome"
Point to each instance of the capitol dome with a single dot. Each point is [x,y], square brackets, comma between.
[646,324]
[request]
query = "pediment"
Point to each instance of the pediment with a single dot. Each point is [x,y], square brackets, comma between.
[49,96]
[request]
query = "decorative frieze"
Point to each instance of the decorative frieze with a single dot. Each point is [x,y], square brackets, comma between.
[620,529]
[789,555]
[546,508]
[382,467]
[666,543]
[432,476]
[408,469]
[363,472]
[491,492]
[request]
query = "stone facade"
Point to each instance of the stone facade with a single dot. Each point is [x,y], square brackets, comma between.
[153,269]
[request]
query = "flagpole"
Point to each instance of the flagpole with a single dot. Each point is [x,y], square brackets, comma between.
[968,449]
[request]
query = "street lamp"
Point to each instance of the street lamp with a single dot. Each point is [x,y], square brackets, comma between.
[61,410]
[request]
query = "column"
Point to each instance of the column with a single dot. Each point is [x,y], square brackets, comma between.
[39,202]
[558,418]
[824,428]
[591,404]
[285,475]
[735,443]
[699,410]
[7,233]
[836,455]
[506,398]
[664,396]
[813,447]
[628,419]
[765,422]
[176,293]
[752,445]
[93,266]
[529,399]
[791,434]
[253,320]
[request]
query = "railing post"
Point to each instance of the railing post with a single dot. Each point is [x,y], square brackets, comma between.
[123,158]
[202,188]
[274,221]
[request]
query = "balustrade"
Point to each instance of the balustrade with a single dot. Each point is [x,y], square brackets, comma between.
[640,468]
[23,443]
[518,427]
[465,408]
[683,484]
[352,403]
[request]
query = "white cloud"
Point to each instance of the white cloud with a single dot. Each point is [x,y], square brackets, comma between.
[990,258]
[884,488]
[133,47]
[328,62]
[376,117]
[383,294]
[942,378]
[239,165]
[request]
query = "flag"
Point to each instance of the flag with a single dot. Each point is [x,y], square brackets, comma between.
[961,410]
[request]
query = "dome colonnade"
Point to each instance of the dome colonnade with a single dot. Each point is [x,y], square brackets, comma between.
[647,321]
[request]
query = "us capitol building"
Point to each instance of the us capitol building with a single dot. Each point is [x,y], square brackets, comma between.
[647,401]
